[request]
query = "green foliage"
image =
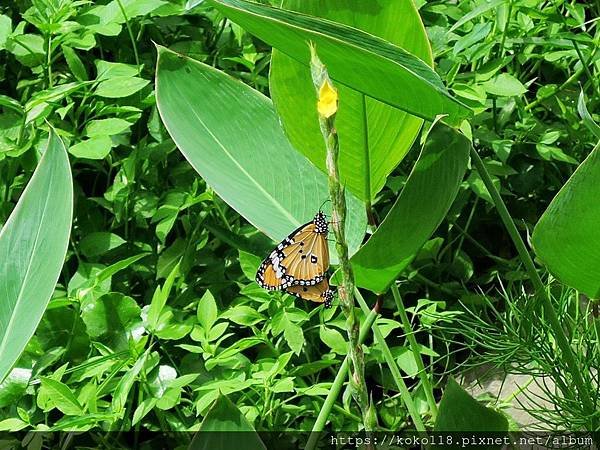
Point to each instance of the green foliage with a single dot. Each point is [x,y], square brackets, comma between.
[33,244]
[459,412]
[374,137]
[364,62]
[242,159]
[427,195]
[224,416]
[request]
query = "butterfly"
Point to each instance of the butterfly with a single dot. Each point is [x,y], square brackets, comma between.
[319,293]
[301,259]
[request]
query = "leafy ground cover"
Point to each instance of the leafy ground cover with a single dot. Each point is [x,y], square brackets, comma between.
[156,322]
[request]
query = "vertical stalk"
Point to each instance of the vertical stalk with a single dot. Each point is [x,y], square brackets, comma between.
[336,386]
[540,291]
[410,336]
[327,108]
[412,409]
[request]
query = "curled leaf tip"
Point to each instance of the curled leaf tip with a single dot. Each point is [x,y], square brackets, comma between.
[328,99]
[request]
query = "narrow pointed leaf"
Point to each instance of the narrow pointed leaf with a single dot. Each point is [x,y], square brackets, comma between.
[567,236]
[225,427]
[418,211]
[357,59]
[374,137]
[33,245]
[231,135]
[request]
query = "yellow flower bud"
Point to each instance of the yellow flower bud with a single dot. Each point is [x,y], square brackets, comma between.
[328,100]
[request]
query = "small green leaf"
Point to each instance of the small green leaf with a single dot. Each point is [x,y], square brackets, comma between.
[459,412]
[333,339]
[119,87]
[249,264]
[294,336]
[505,85]
[225,419]
[207,311]
[159,299]
[97,147]
[96,244]
[121,392]
[74,63]
[62,397]
[106,127]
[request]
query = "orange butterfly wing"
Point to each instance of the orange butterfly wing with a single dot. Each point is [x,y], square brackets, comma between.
[301,259]
[319,293]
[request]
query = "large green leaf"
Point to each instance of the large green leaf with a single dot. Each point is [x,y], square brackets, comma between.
[459,412]
[374,137]
[567,236]
[225,427]
[418,211]
[231,135]
[357,59]
[33,245]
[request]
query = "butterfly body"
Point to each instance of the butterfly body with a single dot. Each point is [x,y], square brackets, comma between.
[300,260]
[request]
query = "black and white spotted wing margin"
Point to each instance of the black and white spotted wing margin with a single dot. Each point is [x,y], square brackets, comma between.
[301,259]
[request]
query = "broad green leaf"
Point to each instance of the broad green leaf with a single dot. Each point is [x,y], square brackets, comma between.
[62,397]
[374,137]
[33,245]
[96,244]
[97,147]
[106,127]
[119,87]
[357,59]
[231,135]
[418,211]
[220,427]
[567,236]
[459,412]
[113,319]
[505,85]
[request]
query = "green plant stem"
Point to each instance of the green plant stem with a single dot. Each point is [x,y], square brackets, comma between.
[395,371]
[414,346]
[130,32]
[336,386]
[346,287]
[540,291]
[552,92]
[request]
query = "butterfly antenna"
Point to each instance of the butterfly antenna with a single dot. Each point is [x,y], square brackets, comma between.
[321,207]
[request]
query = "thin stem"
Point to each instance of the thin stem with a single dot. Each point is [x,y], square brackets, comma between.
[395,371]
[336,386]
[540,291]
[327,106]
[414,346]
[133,44]
[553,91]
